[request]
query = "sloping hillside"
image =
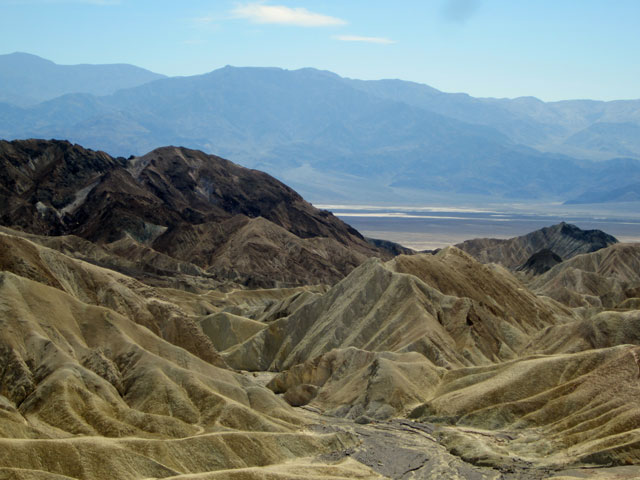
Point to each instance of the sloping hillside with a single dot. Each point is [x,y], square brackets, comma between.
[452,309]
[609,278]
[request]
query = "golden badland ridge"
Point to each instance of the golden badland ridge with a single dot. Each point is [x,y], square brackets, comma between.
[177,316]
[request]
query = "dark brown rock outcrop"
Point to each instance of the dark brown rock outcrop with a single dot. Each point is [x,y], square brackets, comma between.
[181,203]
[540,262]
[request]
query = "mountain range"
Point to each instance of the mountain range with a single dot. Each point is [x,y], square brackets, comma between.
[338,139]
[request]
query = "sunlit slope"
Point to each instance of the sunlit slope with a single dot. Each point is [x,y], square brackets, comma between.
[608,278]
[431,311]
[577,407]
[84,382]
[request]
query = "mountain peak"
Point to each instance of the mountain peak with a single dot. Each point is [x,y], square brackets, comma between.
[563,239]
[597,238]
[24,56]
[239,225]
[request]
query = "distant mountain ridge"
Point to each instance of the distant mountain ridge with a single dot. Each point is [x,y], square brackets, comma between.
[338,139]
[28,79]
[579,128]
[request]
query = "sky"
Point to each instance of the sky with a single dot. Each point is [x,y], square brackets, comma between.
[550,49]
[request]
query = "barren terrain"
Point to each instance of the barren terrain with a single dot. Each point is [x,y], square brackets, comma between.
[197,335]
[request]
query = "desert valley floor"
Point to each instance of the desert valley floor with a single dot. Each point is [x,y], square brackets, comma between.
[431,227]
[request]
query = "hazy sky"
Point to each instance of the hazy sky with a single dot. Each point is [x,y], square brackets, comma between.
[552,49]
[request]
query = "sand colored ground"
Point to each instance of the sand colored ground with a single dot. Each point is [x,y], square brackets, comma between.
[604,279]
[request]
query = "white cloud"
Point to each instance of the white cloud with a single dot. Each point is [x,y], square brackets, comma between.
[357,38]
[279,14]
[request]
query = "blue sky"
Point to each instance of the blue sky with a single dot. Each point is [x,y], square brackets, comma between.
[553,50]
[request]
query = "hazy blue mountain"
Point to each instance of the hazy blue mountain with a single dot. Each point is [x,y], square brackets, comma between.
[518,126]
[610,188]
[27,79]
[581,128]
[605,137]
[628,193]
[329,137]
